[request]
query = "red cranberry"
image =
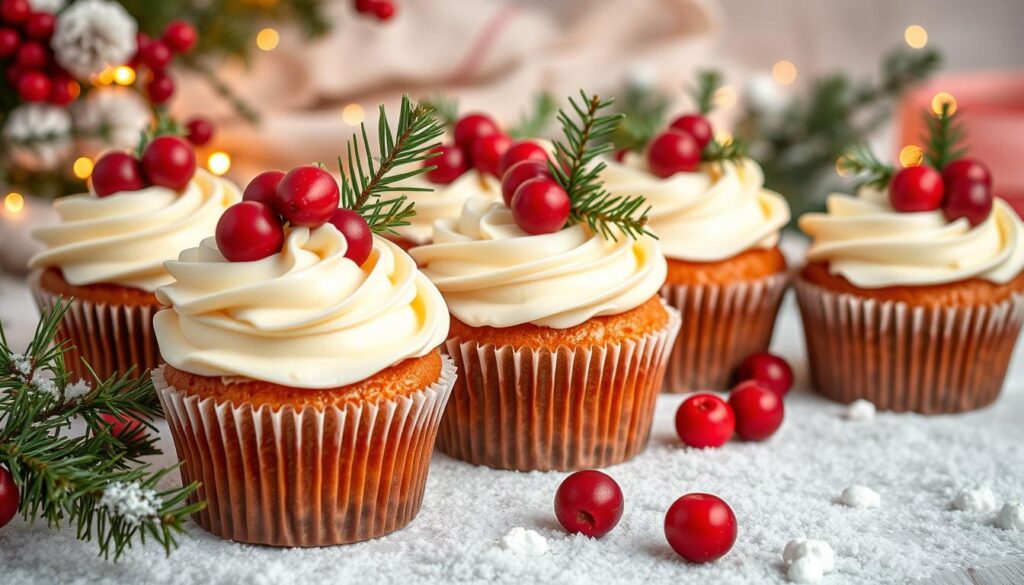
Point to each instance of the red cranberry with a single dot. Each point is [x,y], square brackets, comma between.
[969,168]
[487,153]
[32,55]
[156,55]
[116,172]
[159,88]
[40,26]
[704,420]
[620,155]
[673,152]
[770,370]
[200,130]
[700,527]
[518,174]
[180,36]
[127,430]
[520,151]
[64,90]
[384,10]
[141,40]
[13,74]
[307,196]
[967,198]
[540,206]
[697,126]
[450,163]
[357,233]
[471,128]
[916,189]
[34,86]
[758,410]
[169,162]
[10,496]
[249,231]
[263,187]
[589,502]
[15,11]
[365,6]
[9,42]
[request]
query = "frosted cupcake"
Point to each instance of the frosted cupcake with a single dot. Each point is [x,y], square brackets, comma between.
[443,200]
[108,250]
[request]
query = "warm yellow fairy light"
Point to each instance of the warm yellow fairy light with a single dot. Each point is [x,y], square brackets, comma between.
[267,39]
[841,169]
[916,36]
[124,75]
[725,97]
[911,155]
[218,163]
[82,167]
[14,203]
[784,72]
[352,114]
[106,77]
[942,98]
[723,137]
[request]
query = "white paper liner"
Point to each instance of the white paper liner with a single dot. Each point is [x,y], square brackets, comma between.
[527,409]
[927,359]
[722,325]
[309,477]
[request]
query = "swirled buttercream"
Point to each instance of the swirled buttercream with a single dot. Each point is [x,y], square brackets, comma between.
[125,238]
[494,274]
[306,317]
[444,201]
[865,240]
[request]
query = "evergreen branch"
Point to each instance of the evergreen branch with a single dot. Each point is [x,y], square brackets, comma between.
[444,109]
[644,114]
[536,121]
[733,150]
[708,83]
[861,161]
[163,125]
[945,137]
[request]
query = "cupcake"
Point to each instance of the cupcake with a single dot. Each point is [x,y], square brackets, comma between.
[108,250]
[441,200]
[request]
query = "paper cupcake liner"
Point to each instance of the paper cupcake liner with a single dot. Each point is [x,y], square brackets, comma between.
[529,409]
[722,325]
[927,359]
[113,339]
[309,477]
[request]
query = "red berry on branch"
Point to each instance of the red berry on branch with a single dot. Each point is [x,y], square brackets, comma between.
[169,162]
[128,430]
[520,151]
[64,90]
[307,196]
[263,187]
[540,206]
[520,173]
[696,126]
[357,234]
[770,370]
[758,410]
[15,11]
[200,130]
[967,198]
[249,231]
[10,497]
[916,189]
[673,152]
[33,55]
[116,172]
[34,86]
[967,168]
[10,40]
[589,502]
[40,26]
[156,55]
[365,6]
[473,127]
[160,88]
[487,153]
[180,36]
[704,420]
[450,163]
[700,527]
[384,10]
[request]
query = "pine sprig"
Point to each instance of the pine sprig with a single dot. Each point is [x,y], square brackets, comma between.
[444,109]
[733,151]
[399,157]
[644,114]
[534,122]
[945,137]
[861,161]
[91,480]
[577,173]
[163,125]
[709,81]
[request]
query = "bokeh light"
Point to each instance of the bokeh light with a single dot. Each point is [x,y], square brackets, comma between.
[124,75]
[219,162]
[267,39]
[942,98]
[14,203]
[82,167]
[725,97]
[784,72]
[911,155]
[916,36]
[352,114]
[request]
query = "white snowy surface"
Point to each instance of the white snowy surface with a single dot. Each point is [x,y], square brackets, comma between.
[784,488]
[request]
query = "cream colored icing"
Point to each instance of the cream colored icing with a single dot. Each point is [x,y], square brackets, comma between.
[445,201]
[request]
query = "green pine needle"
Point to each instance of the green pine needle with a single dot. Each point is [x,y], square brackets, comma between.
[708,83]
[861,161]
[732,151]
[644,114]
[444,109]
[945,137]
[535,122]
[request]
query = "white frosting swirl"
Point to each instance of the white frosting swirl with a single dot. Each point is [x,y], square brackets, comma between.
[125,238]
[307,317]
[865,240]
[445,201]
[494,274]
[700,218]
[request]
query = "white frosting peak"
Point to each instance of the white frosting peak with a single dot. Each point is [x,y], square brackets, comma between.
[444,201]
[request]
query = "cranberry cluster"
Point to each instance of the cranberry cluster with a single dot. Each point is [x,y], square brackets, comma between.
[28,60]
[156,55]
[305,196]
[167,161]
[678,149]
[381,9]
[962,189]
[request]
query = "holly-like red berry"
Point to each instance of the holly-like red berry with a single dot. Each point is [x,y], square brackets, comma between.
[13,75]
[34,86]
[520,173]
[365,6]
[967,198]
[473,127]
[10,496]
[758,410]
[40,26]
[520,151]
[180,36]
[200,130]
[307,196]
[128,430]
[32,55]
[704,420]
[169,162]
[450,163]
[700,527]
[697,126]
[916,189]
[384,10]
[263,187]
[159,88]
[487,153]
[770,370]
[673,152]
[15,11]
[156,55]
[116,172]
[64,90]
[357,233]
[540,206]
[971,169]
[249,231]
[9,42]
[589,502]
